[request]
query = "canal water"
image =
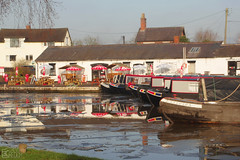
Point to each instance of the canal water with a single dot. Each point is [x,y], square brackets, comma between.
[108,127]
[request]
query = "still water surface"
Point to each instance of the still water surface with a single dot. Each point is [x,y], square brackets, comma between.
[108,127]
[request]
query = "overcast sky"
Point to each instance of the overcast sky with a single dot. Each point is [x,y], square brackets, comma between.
[109,20]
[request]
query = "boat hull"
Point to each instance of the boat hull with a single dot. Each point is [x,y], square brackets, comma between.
[133,89]
[105,88]
[119,89]
[192,111]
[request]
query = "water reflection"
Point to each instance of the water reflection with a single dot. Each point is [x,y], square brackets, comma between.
[23,112]
[108,127]
[212,141]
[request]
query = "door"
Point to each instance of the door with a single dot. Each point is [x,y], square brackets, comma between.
[232,66]
[191,67]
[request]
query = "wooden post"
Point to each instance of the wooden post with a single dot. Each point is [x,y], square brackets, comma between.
[225,32]
[204,89]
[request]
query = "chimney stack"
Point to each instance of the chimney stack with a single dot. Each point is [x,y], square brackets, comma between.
[28,27]
[143,22]
[176,39]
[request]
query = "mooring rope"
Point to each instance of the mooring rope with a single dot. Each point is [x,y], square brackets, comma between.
[229,94]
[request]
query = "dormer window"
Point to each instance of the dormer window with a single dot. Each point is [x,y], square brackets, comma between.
[195,50]
[14,42]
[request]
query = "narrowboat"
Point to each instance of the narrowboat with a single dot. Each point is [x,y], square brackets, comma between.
[185,87]
[217,101]
[138,83]
[105,86]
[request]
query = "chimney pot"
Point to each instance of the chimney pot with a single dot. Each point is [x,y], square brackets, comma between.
[28,27]
[176,39]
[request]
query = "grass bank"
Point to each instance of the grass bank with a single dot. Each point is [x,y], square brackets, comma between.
[13,154]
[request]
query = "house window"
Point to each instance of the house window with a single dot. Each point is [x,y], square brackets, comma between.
[53,69]
[49,44]
[29,57]
[12,58]
[14,42]
[149,68]
[127,63]
[66,41]
[194,50]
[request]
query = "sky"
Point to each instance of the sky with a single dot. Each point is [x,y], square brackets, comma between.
[110,20]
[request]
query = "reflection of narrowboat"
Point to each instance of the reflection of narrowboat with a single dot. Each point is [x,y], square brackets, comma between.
[153,115]
[217,101]
[123,109]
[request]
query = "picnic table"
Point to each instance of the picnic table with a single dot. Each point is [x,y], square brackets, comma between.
[45,81]
[72,80]
[16,81]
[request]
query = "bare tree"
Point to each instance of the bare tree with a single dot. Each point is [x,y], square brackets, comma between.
[205,36]
[237,40]
[87,41]
[30,11]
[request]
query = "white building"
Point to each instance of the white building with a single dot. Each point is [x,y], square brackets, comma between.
[27,44]
[198,58]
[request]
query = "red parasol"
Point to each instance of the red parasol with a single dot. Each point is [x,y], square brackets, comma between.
[99,67]
[122,68]
[72,68]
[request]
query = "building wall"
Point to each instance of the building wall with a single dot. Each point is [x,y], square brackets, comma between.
[34,49]
[26,49]
[213,66]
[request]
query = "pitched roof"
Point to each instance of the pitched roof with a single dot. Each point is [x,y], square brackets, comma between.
[159,34]
[127,52]
[35,35]
[228,51]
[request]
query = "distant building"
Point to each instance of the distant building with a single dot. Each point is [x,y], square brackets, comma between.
[158,35]
[27,44]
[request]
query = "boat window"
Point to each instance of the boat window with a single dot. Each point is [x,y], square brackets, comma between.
[167,83]
[157,82]
[185,86]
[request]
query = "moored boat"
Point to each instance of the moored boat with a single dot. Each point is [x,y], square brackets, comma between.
[137,85]
[185,87]
[218,102]
[193,111]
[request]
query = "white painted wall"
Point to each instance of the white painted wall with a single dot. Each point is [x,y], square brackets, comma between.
[25,48]
[216,66]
